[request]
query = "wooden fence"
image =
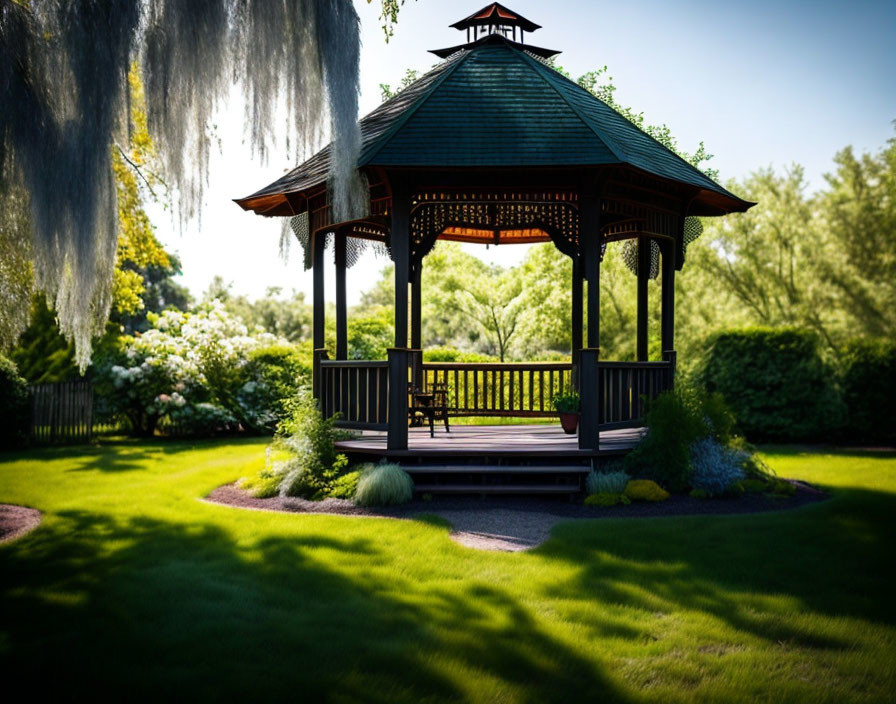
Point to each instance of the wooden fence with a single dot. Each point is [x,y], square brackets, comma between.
[62,412]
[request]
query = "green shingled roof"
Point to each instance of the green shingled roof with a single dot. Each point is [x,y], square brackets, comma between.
[492,104]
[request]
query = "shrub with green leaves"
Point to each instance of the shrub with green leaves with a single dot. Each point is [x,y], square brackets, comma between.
[269,381]
[606,482]
[384,485]
[675,420]
[345,486]
[868,381]
[15,412]
[645,490]
[607,499]
[312,464]
[775,382]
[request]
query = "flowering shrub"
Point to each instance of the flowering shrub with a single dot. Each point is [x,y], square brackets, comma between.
[198,373]
[715,468]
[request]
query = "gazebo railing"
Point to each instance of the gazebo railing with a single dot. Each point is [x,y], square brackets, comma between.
[625,386]
[357,390]
[521,390]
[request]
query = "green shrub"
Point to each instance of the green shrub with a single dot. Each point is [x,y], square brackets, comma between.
[369,337]
[700,494]
[262,486]
[449,354]
[754,486]
[676,420]
[607,499]
[606,482]
[645,490]
[345,486]
[775,382]
[868,381]
[312,464]
[15,410]
[384,485]
[782,488]
[269,381]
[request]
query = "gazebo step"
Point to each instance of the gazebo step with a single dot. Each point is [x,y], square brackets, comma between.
[494,469]
[497,488]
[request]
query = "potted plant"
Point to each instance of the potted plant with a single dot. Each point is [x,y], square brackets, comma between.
[567,407]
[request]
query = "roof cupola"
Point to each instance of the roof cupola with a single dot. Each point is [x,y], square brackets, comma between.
[495,22]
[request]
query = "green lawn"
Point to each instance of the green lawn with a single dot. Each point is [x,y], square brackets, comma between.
[134,587]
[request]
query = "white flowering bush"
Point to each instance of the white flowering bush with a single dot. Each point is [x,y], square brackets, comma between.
[198,373]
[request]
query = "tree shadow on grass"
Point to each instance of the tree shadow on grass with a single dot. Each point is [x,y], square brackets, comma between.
[121,454]
[825,558]
[155,609]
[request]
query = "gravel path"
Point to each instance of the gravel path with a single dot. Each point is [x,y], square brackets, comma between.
[15,521]
[512,523]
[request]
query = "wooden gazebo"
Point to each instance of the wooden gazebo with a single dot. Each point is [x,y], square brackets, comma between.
[494,146]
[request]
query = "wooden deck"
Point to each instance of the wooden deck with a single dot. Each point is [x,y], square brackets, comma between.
[521,442]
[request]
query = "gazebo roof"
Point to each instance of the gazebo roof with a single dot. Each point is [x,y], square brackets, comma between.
[492,104]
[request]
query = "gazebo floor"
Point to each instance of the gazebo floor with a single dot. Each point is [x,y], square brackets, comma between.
[541,444]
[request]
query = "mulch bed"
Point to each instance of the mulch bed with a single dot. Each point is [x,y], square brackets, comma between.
[513,523]
[15,521]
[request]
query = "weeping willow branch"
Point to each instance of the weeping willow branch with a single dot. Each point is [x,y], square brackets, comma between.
[63,105]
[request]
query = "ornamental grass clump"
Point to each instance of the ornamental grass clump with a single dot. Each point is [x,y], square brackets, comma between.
[384,485]
[606,482]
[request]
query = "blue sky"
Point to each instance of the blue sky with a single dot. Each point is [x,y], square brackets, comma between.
[762,84]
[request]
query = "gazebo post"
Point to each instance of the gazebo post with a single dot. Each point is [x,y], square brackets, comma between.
[589,378]
[318,245]
[341,309]
[416,307]
[400,245]
[667,326]
[577,315]
[643,278]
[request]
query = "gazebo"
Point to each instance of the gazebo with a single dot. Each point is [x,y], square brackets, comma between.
[494,146]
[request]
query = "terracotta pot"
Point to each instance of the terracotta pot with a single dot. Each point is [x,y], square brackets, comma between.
[569,422]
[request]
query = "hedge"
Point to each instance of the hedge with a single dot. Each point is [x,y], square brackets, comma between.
[775,382]
[15,411]
[868,384]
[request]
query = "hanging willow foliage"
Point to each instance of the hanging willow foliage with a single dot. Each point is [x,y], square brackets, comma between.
[63,105]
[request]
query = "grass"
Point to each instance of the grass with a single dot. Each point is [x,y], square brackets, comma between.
[134,585]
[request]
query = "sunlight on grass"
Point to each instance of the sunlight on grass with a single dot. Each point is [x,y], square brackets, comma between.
[130,567]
